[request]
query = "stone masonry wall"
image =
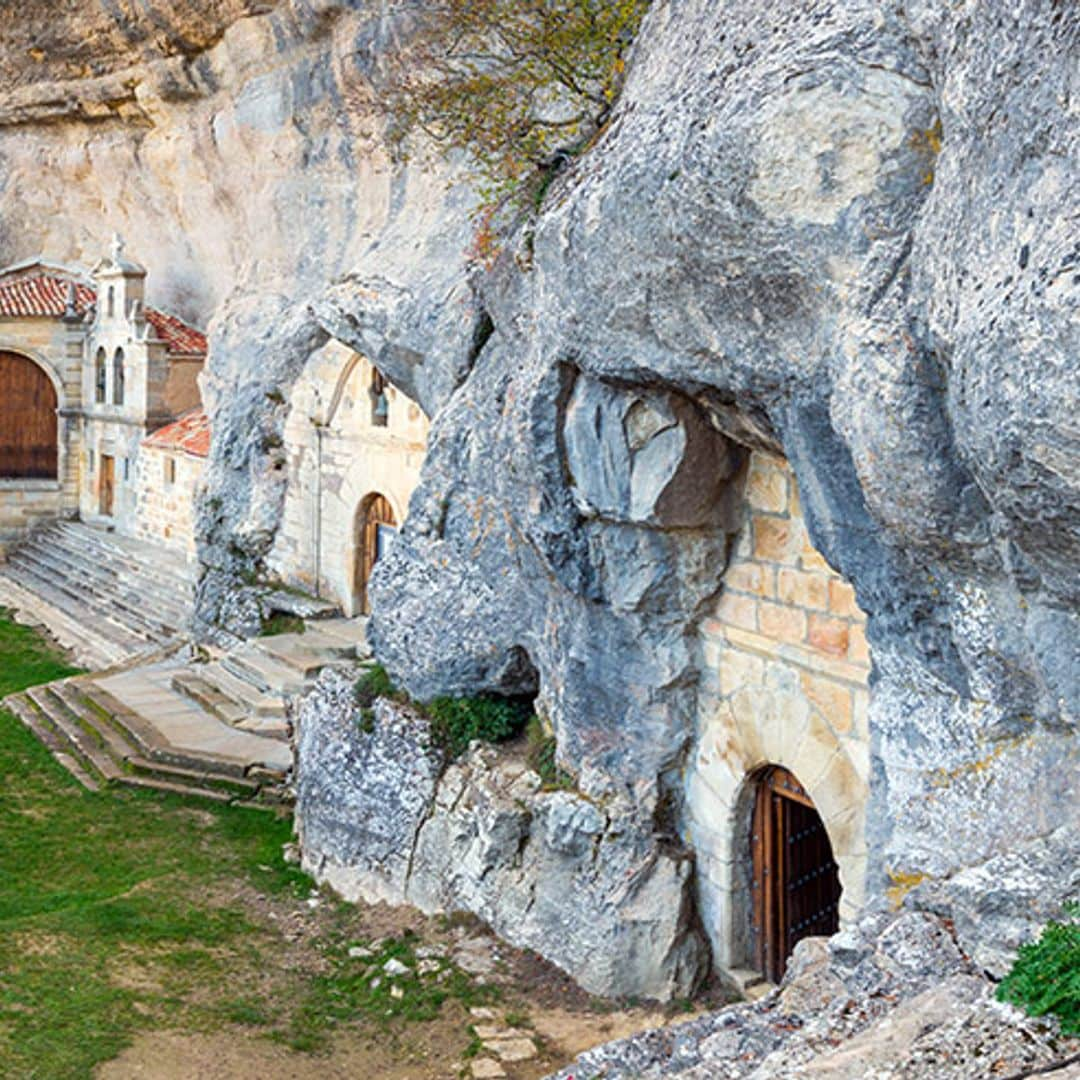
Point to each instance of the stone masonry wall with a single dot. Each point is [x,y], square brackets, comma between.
[24,504]
[786,665]
[165,511]
[316,546]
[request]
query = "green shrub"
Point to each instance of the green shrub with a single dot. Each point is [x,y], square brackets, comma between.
[1046,976]
[455,722]
[281,622]
[374,683]
[514,85]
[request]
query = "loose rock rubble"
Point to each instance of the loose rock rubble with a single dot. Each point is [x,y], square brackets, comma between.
[891,999]
[503,1044]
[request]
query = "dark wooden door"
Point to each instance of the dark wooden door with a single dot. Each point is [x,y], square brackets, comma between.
[375,527]
[795,880]
[107,484]
[28,422]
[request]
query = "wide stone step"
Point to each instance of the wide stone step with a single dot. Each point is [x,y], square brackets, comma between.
[153,743]
[81,553]
[122,593]
[122,748]
[249,710]
[20,707]
[106,753]
[97,614]
[72,604]
[166,566]
[267,674]
[304,653]
[95,739]
[216,675]
[131,603]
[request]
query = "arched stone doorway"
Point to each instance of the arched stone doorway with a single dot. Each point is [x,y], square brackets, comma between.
[375,528]
[795,879]
[28,420]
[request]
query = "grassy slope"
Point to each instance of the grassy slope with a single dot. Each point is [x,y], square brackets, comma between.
[128,910]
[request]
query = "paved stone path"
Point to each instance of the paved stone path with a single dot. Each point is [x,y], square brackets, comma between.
[155,716]
[183,724]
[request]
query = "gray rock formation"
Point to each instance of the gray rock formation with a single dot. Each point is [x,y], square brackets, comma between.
[840,231]
[892,999]
[581,882]
[999,905]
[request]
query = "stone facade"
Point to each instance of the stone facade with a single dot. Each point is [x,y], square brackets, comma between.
[340,455]
[120,370]
[168,479]
[56,347]
[785,665]
[133,383]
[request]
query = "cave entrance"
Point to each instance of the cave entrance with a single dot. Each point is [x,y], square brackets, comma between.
[796,885]
[376,527]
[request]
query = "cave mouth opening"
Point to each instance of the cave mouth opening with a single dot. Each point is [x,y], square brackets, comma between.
[795,881]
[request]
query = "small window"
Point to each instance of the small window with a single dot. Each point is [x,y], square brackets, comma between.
[118,377]
[90,462]
[127,469]
[101,377]
[110,307]
[380,403]
[170,470]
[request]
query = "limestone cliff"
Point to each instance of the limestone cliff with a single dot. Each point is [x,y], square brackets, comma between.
[231,143]
[841,232]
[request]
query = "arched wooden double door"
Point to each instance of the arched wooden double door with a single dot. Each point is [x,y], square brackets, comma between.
[796,884]
[375,528]
[28,423]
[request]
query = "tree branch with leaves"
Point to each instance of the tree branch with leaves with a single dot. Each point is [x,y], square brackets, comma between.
[517,85]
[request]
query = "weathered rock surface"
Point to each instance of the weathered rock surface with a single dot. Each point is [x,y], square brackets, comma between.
[233,144]
[838,231]
[842,231]
[892,998]
[1000,905]
[582,883]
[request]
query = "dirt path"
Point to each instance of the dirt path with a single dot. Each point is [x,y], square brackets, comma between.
[534,1018]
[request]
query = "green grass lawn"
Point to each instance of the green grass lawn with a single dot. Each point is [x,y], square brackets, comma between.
[124,911]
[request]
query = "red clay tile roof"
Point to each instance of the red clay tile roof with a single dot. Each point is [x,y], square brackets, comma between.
[190,434]
[41,293]
[177,335]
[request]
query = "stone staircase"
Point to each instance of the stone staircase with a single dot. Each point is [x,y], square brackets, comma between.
[214,727]
[102,739]
[106,597]
[247,688]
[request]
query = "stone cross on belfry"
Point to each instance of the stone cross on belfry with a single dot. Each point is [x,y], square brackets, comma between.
[71,312]
[117,249]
